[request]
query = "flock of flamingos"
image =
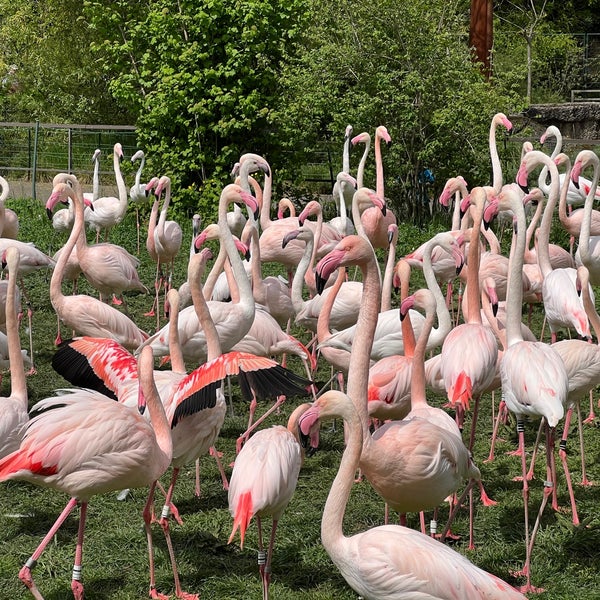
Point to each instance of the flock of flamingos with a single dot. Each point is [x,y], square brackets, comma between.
[126,421]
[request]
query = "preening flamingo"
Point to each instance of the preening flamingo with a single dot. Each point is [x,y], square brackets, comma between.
[82,313]
[390,561]
[13,414]
[109,210]
[82,443]
[262,483]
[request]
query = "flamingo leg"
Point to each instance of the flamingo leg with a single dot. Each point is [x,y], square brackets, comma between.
[240,441]
[25,572]
[502,410]
[148,515]
[592,415]
[164,523]
[197,481]
[266,578]
[76,584]
[584,479]
[562,453]
[218,455]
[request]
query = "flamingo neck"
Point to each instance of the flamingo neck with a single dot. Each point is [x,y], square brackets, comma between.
[418,397]
[335,507]
[360,357]
[18,383]
[586,223]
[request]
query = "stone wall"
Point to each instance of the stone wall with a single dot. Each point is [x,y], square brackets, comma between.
[576,120]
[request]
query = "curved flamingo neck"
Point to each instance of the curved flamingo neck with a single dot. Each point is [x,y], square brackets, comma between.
[562,202]
[323,331]
[175,351]
[554,132]
[302,269]
[418,397]
[360,357]
[332,533]
[496,166]
[360,172]
[478,197]
[543,251]
[213,344]
[388,274]
[57,274]
[121,187]
[586,223]
[443,314]
[514,293]
[18,383]
[379,179]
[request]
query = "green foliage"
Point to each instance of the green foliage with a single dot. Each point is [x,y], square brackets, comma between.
[55,78]
[366,65]
[203,79]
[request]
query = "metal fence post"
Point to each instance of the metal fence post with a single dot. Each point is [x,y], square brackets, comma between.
[34,166]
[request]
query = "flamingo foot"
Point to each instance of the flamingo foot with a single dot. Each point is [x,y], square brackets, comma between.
[27,579]
[116,301]
[590,418]
[449,536]
[154,593]
[187,595]
[516,452]
[486,500]
[150,313]
[530,589]
[58,340]
[587,482]
[32,371]
[77,588]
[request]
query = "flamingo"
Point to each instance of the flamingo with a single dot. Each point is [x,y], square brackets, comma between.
[13,415]
[390,561]
[587,254]
[361,138]
[470,351]
[342,192]
[82,443]
[166,242]
[109,210]
[9,220]
[80,312]
[374,222]
[262,483]
[138,194]
[533,376]
[401,459]
[562,304]
[62,220]
[345,308]
[109,268]
[232,319]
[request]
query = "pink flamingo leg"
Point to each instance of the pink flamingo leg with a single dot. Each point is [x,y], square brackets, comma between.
[148,518]
[76,584]
[592,415]
[562,453]
[25,572]
[218,455]
[266,574]
[240,441]
[197,491]
[584,479]
[502,411]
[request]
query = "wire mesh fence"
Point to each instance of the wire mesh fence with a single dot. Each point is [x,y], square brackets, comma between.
[32,153]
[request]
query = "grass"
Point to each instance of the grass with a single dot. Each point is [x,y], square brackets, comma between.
[565,560]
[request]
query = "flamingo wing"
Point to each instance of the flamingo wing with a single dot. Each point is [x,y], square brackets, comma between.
[99,364]
[258,376]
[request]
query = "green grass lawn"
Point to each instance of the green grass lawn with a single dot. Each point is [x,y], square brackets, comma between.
[565,558]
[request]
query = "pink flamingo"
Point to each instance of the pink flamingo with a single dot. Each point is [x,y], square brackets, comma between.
[13,415]
[166,243]
[83,443]
[109,211]
[562,304]
[82,313]
[374,222]
[418,565]
[401,459]
[587,252]
[107,267]
[262,483]
[9,221]
[470,351]
[138,194]
[533,376]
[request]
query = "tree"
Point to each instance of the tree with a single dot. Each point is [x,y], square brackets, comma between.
[202,79]
[45,57]
[405,64]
